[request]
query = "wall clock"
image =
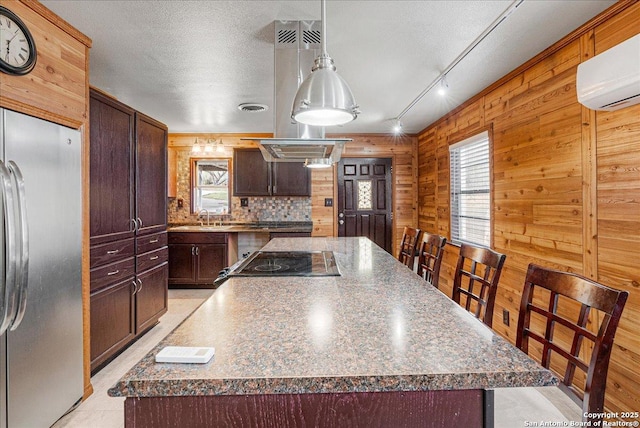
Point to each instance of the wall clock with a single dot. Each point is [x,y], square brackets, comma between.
[17,47]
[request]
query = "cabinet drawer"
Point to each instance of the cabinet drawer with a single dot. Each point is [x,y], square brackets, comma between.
[152,258]
[151,242]
[111,252]
[112,273]
[197,238]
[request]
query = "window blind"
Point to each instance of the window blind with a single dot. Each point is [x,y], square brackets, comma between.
[470,191]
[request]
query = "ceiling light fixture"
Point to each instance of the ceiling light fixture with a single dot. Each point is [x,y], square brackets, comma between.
[397,127]
[220,146]
[196,148]
[208,147]
[441,77]
[324,98]
[318,163]
[444,86]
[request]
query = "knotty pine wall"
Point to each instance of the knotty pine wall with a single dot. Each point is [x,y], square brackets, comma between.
[565,183]
[402,151]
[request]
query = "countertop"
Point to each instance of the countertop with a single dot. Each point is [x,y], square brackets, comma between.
[378,327]
[261,227]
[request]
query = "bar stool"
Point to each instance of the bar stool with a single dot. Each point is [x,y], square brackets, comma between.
[540,319]
[430,256]
[407,253]
[478,267]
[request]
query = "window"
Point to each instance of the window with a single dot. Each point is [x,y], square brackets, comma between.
[210,185]
[470,191]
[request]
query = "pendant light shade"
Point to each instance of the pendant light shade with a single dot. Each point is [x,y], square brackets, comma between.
[324,98]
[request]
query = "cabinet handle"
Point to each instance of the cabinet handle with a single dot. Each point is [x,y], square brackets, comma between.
[154,258]
[153,241]
[114,272]
[135,288]
[193,251]
[135,224]
[139,282]
[139,223]
[113,251]
[197,251]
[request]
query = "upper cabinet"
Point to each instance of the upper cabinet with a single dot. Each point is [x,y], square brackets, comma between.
[112,169]
[253,176]
[151,175]
[128,171]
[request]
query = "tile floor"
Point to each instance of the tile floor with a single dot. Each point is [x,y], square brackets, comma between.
[102,411]
[514,406]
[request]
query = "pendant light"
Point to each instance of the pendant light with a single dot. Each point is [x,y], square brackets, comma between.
[324,98]
[196,148]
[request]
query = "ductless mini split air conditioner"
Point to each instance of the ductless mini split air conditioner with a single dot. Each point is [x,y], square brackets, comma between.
[611,80]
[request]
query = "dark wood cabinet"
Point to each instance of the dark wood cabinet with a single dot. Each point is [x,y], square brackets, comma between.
[151,175]
[112,320]
[195,259]
[253,176]
[128,211]
[151,296]
[112,169]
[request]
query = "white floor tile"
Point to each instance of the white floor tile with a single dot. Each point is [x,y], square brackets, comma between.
[102,411]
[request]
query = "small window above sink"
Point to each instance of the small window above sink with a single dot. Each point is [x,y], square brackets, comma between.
[210,186]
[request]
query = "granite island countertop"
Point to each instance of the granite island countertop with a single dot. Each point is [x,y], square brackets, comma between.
[378,327]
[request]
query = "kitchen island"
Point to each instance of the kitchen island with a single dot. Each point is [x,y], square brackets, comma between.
[376,346]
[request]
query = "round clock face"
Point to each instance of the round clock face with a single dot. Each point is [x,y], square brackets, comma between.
[17,48]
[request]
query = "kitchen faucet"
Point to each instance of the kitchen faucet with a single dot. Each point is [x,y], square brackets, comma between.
[208,218]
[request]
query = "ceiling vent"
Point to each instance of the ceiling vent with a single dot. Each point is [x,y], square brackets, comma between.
[297,44]
[253,107]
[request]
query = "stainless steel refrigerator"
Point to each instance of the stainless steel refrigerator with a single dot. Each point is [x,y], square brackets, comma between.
[40,268]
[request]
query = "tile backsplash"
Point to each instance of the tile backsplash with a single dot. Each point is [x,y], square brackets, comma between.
[259,209]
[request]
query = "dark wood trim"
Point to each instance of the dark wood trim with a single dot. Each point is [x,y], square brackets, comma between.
[446,408]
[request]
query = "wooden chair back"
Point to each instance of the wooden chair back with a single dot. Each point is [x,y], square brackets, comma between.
[430,253]
[476,278]
[408,246]
[550,325]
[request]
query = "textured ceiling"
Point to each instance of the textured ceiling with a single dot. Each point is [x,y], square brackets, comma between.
[190,63]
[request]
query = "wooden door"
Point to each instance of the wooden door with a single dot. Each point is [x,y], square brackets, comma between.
[364,199]
[211,259]
[151,174]
[111,165]
[251,174]
[290,179]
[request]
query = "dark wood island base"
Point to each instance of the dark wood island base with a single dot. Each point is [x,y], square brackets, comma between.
[449,408]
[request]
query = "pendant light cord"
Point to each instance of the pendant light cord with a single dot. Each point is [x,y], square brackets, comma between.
[514,5]
[323,18]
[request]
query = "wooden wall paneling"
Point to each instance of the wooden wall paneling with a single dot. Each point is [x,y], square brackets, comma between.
[56,89]
[617,142]
[566,183]
[322,188]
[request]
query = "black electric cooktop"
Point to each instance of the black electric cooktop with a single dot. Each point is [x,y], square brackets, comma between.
[288,263]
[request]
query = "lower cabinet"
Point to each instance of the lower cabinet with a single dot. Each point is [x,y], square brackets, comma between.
[128,293]
[112,320]
[151,296]
[196,258]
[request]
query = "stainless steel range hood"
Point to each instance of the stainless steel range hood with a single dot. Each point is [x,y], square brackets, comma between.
[297,44]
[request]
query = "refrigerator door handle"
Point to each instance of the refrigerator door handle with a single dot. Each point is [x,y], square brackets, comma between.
[8,296]
[22,232]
